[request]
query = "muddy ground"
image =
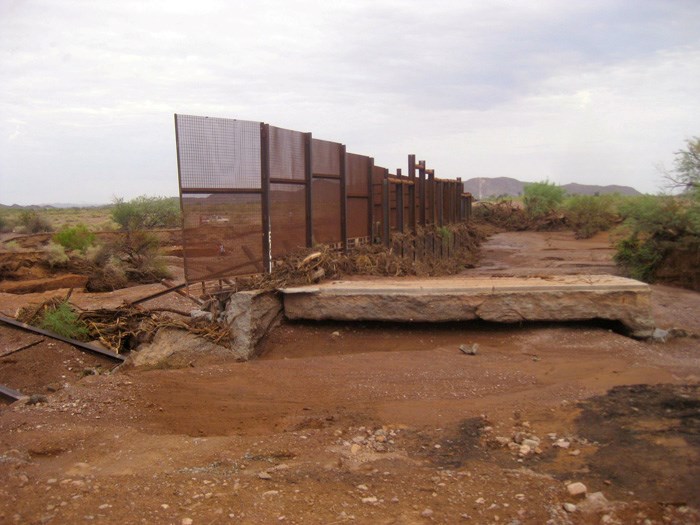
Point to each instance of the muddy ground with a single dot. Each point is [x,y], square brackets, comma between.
[370,423]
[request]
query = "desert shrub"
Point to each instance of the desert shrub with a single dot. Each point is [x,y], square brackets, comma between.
[590,214]
[145,213]
[653,227]
[75,238]
[140,253]
[34,222]
[62,320]
[55,255]
[542,198]
[108,276]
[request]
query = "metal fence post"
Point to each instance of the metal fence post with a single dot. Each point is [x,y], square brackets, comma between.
[421,192]
[458,198]
[412,192]
[370,201]
[265,196]
[431,194]
[399,203]
[385,209]
[343,199]
[308,175]
[440,186]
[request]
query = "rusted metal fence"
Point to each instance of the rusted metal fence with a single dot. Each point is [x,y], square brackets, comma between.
[251,193]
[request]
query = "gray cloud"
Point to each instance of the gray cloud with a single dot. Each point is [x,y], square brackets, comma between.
[596,92]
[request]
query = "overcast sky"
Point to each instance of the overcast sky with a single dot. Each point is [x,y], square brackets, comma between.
[597,92]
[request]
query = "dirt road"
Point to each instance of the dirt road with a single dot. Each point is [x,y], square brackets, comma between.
[370,423]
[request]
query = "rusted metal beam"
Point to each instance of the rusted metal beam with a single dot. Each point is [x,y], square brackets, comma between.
[169,284]
[78,344]
[10,392]
[158,294]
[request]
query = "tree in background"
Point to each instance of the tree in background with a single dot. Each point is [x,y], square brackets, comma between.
[657,227]
[542,198]
[146,213]
[685,174]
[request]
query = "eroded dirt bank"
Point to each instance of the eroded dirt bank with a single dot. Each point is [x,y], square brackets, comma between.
[373,423]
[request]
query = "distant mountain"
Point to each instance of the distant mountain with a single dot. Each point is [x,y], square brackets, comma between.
[484,187]
[592,189]
[51,206]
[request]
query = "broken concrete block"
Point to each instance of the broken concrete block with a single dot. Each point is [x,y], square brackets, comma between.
[251,315]
[497,299]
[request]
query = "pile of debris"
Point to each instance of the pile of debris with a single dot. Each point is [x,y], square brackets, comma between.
[125,328]
[307,266]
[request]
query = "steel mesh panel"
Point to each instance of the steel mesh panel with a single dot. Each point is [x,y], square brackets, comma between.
[326,157]
[357,218]
[218,153]
[326,210]
[286,154]
[287,218]
[222,235]
[356,174]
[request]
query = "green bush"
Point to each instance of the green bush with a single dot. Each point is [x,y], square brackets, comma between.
[542,198]
[75,238]
[34,222]
[62,320]
[590,214]
[146,213]
[653,227]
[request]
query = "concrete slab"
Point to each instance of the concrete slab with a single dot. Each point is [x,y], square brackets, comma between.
[499,299]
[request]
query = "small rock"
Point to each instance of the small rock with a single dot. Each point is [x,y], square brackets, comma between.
[186,521]
[354,448]
[524,450]
[480,501]
[264,475]
[369,500]
[576,489]
[362,487]
[502,441]
[469,349]
[270,493]
[427,513]
[561,443]
[594,502]
[35,399]
[659,335]
[532,443]
[569,507]
[201,314]
[335,334]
